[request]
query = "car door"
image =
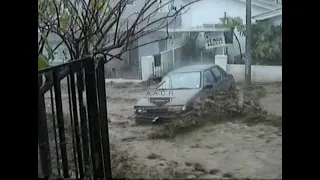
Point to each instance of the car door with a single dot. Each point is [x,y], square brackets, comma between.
[220,78]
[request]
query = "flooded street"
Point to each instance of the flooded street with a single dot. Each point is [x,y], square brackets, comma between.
[230,149]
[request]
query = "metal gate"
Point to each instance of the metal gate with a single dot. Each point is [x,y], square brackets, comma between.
[73,135]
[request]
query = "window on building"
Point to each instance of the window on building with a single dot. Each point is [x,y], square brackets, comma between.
[279,1]
[161,5]
[162,45]
[167,5]
[157,60]
[131,2]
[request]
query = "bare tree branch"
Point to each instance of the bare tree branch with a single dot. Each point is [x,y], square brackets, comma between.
[90,24]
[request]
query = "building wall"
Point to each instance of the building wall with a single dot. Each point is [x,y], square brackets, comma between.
[138,5]
[131,12]
[275,20]
[152,48]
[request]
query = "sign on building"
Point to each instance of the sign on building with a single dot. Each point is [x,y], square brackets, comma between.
[218,39]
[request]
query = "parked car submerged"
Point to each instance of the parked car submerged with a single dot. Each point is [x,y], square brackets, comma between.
[178,90]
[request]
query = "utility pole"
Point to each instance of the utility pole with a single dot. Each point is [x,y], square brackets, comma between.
[248,59]
[224,23]
[173,44]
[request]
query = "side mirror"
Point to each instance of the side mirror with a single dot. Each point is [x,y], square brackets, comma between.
[209,86]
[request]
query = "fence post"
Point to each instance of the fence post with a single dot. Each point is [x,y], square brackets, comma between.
[76,124]
[43,139]
[93,115]
[104,118]
[62,135]
[83,122]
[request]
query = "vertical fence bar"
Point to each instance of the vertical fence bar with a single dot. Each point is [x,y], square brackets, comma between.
[72,126]
[63,146]
[103,118]
[83,122]
[93,115]
[76,125]
[43,139]
[55,132]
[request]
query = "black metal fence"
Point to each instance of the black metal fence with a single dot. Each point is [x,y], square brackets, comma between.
[73,135]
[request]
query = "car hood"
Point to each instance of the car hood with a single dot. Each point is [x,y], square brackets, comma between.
[178,97]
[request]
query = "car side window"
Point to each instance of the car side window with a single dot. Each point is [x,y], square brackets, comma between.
[208,78]
[216,73]
[223,72]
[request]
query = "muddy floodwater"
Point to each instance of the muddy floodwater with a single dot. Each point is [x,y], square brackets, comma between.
[223,150]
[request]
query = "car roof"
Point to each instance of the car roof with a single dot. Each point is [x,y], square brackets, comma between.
[193,68]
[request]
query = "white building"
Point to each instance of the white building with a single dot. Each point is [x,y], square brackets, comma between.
[210,12]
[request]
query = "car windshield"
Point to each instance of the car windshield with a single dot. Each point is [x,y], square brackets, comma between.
[182,80]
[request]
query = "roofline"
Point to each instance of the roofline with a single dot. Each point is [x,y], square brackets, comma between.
[262,4]
[192,29]
[259,3]
[268,15]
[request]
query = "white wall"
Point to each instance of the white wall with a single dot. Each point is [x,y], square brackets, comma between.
[258,73]
[262,74]
[275,20]
[146,67]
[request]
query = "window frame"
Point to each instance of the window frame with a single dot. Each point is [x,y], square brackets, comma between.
[223,72]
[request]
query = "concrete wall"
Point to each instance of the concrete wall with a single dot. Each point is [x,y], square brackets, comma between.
[258,73]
